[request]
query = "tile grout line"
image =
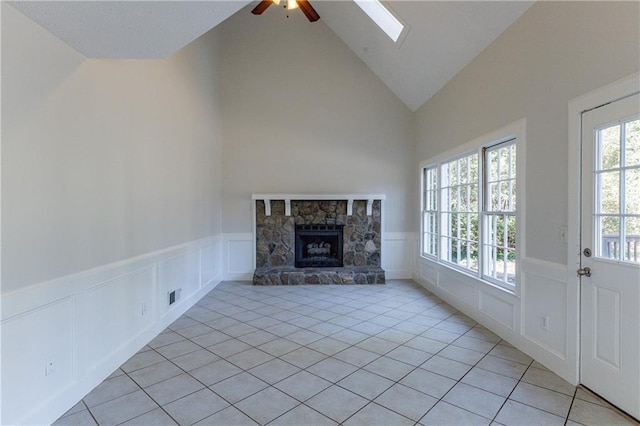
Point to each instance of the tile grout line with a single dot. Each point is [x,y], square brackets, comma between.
[298,299]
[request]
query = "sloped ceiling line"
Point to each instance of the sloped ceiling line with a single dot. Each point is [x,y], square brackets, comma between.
[444,36]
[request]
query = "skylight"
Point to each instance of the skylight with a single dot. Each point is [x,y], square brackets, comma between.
[382,17]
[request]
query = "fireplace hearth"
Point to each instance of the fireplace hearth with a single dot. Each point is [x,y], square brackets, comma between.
[318,246]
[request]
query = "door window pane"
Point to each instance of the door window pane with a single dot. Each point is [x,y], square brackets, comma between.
[632,191]
[632,142]
[632,239]
[609,192]
[609,148]
[609,237]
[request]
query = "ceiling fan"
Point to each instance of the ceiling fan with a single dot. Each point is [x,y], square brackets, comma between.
[304,5]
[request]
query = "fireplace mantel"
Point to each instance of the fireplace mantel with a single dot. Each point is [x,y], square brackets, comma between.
[370,198]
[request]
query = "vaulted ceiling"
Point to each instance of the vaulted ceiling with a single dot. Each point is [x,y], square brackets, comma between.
[441,37]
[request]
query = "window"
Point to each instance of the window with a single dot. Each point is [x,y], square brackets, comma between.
[469,214]
[430,211]
[617,175]
[499,213]
[382,17]
[459,213]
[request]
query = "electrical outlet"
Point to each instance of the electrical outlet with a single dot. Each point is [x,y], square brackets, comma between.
[174,296]
[544,322]
[50,365]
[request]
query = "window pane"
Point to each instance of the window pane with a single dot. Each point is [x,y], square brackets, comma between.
[464,170]
[503,158]
[493,166]
[502,265]
[504,196]
[494,197]
[632,141]
[513,196]
[474,198]
[473,256]
[609,139]
[511,232]
[632,239]
[434,244]
[491,235]
[451,173]
[464,206]
[513,160]
[499,229]
[474,168]
[453,199]
[609,192]
[632,191]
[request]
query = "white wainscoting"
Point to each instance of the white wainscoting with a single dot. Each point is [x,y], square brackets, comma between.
[239,256]
[543,292]
[89,323]
[397,255]
[546,292]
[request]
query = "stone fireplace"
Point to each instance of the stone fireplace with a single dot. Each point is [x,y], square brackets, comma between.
[313,239]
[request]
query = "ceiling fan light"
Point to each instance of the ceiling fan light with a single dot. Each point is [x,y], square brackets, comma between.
[291,4]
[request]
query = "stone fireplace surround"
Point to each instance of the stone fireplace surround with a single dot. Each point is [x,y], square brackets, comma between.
[276,216]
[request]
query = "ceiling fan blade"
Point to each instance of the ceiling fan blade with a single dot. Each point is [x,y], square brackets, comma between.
[308,10]
[261,7]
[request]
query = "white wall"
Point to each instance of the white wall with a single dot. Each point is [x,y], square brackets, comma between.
[302,114]
[111,195]
[103,160]
[555,52]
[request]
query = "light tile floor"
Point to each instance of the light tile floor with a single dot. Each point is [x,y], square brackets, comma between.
[326,355]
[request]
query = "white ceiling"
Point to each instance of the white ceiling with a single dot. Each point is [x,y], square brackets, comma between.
[442,36]
[128,29]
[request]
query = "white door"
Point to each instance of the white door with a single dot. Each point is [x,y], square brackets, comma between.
[610,258]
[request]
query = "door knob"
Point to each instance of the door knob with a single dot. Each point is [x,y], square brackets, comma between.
[586,271]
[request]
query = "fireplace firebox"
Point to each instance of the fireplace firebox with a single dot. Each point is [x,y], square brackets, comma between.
[318,246]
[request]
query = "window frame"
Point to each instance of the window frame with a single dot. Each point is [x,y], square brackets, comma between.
[514,133]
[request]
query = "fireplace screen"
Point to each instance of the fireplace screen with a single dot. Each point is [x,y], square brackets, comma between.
[318,246]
